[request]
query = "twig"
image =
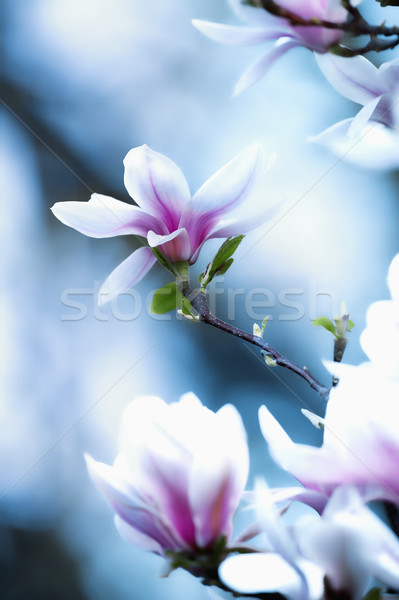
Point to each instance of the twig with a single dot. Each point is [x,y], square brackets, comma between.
[199,303]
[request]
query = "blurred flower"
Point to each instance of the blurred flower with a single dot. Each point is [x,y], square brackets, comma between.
[370,139]
[343,548]
[167,215]
[281,567]
[380,339]
[351,544]
[179,476]
[361,439]
[266,27]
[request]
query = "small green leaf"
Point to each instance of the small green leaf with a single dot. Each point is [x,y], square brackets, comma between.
[256,330]
[350,325]
[165,299]
[264,323]
[269,360]
[163,260]
[226,250]
[326,323]
[222,260]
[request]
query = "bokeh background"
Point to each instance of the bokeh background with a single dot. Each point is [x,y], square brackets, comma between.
[82,83]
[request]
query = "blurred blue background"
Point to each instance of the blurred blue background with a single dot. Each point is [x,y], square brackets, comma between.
[82,83]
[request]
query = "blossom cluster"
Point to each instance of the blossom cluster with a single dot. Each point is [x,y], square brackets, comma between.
[181,472]
[370,139]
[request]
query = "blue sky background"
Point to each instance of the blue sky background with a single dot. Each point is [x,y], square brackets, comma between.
[83,83]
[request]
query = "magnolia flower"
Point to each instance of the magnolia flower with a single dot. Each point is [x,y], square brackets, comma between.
[179,474]
[344,547]
[350,544]
[167,216]
[370,139]
[380,339]
[361,439]
[281,567]
[265,27]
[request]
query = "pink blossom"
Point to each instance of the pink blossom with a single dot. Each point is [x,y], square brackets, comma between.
[265,27]
[361,440]
[347,545]
[179,475]
[166,215]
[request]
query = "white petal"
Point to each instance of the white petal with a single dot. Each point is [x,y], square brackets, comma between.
[236,36]
[127,274]
[157,184]
[376,147]
[238,226]
[103,216]
[263,64]
[363,117]
[253,15]
[268,572]
[355,78]
[136,538]
[313,467]
[232,184]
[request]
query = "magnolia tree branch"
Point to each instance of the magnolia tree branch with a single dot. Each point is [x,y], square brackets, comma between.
[356,25]
[199,302]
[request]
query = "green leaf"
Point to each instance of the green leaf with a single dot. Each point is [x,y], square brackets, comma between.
[373,594]
[270,361]
[222,260]
[165,299]
[350,325]
[326,323]
[163,260]
[226,250]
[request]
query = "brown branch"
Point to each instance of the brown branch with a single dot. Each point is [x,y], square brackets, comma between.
[356,25]
[199,303]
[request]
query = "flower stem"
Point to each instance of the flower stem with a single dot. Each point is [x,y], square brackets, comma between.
[199,303]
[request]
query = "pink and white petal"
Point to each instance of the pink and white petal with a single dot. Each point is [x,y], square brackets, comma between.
[231,185]
[316,468]
[222,193]
[233,35]
[263,64]
[355,78]
[176,246]
[377,147]
[136,538]
[127,274]
[103,216]
[218,476]
[269,572]
[159,459]
[313,498]
[128,504]
[157,184]
[239,226]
